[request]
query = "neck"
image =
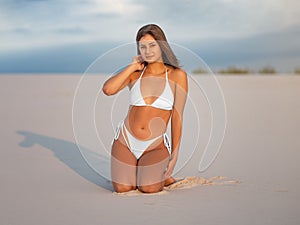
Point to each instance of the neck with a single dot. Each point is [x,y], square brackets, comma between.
[156,67]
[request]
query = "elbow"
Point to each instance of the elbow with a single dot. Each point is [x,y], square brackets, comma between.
[107,91]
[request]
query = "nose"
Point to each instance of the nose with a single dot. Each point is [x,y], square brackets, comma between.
[147,50]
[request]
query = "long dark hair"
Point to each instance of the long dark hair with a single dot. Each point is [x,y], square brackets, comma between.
[157,33]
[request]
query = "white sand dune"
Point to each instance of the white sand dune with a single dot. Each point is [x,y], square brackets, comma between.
[254,180]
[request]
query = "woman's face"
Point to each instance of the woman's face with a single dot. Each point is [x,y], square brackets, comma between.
[149,49]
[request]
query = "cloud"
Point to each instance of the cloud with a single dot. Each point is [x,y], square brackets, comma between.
[69,58]
[225,18]
[278,49]
[117,20]
[59,22]
[256,27]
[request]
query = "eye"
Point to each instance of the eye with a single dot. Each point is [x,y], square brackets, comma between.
[152,45]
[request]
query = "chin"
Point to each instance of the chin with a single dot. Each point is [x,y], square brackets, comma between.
[151,61]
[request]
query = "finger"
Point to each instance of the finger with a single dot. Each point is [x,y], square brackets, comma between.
[136,59]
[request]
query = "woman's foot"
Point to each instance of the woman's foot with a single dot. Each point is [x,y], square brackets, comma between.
[169,181]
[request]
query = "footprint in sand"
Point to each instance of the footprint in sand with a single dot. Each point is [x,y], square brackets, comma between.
[193,181]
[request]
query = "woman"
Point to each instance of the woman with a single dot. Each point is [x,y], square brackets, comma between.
[142,155]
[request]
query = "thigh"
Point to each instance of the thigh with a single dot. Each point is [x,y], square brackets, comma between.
[152,165]
[123,166]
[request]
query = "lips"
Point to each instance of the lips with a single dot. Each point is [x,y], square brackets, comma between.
[149,57]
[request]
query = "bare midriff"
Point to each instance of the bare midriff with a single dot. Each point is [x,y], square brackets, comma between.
[147,122]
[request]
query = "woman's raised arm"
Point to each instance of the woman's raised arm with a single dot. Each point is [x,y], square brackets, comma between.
[117,82]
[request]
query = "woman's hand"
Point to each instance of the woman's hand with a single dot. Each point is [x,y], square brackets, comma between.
[138,62]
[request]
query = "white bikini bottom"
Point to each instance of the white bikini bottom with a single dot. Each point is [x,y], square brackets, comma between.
[136,146]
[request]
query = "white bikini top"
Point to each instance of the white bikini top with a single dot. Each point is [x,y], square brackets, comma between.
[164,101]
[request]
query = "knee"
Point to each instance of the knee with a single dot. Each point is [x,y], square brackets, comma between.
[123,188]
[151,188]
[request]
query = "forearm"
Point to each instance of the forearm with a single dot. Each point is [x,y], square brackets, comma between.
[176,130]
[176,135]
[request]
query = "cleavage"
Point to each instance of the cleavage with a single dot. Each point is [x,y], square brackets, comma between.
[152,88]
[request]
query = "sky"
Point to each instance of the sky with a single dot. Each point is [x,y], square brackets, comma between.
[52,36]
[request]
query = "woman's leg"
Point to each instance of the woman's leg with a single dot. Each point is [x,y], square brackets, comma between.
[151,169]
[169,181]
[123,167]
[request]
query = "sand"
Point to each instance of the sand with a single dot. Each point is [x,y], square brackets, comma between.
[254,180]
[185,183]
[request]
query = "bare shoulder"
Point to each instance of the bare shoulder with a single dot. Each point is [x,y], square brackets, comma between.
[178,76]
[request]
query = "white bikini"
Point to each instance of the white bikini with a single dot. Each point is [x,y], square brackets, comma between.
[165,102]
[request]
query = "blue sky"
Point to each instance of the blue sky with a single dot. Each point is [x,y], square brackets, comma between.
[67,35]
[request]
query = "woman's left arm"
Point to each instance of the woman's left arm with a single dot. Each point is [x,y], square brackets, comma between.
[180,95]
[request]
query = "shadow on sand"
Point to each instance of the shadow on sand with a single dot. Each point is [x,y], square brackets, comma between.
[68,153]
